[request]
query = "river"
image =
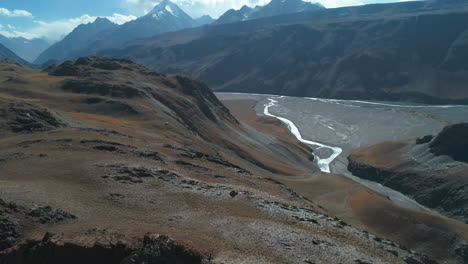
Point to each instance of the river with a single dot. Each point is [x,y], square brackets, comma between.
[334,128]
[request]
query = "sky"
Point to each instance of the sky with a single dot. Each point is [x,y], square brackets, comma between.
[54,19]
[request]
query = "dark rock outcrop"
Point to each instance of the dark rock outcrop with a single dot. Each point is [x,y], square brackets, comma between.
[453,142]
[49,215]
[424,140]
[158,249]
[22,117]
[98,88]
[13,216]
[52,249]
[8,233]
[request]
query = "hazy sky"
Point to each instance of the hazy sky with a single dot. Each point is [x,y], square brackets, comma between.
[53,19]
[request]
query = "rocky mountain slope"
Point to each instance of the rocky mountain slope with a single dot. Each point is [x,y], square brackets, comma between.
[432,170]
[75,41]
[27,49]
[413,51]
[5,53]
[273,8]
[104,161]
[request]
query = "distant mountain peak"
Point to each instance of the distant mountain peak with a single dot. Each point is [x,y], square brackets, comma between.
[206,16]
[103,20]
[204,20]
[273,8]
[245,7]
[166,7]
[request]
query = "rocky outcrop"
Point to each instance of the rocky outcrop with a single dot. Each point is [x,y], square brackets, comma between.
[52,249]
[14,216]
[453,142]
[21,117]
[8,233]
[424,140]
[99,88]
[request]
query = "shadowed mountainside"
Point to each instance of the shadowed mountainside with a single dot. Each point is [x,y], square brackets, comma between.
[415,51]
[27,49]
[5,53]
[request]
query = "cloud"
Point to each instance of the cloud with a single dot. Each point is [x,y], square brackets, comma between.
[56,30]
[121,19]
[16,34]
[340,3]
[139,7]
[14,13]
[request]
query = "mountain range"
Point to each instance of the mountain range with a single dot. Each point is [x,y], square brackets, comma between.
[27,49]
[296,48]
[5,53]
[413,51]
[80,38]
[273,8]
[102,34]
[165,17]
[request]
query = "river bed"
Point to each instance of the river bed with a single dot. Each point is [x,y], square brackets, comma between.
[341,126]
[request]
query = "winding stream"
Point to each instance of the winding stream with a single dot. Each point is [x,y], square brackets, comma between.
[354,124]
[323,164]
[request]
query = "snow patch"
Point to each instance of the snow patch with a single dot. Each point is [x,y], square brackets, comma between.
[169,9]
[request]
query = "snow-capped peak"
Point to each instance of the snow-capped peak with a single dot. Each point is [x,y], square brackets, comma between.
[166,7]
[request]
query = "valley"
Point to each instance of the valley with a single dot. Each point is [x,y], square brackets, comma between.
[234,132]
[346,126]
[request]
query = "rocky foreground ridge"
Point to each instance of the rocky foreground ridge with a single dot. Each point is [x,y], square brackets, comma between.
[104,161]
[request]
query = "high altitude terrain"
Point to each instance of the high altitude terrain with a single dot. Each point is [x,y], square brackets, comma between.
[413,51]
[104,161]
